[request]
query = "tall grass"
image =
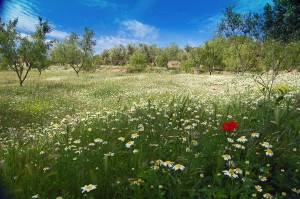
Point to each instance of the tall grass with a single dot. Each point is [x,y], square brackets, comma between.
[153,145]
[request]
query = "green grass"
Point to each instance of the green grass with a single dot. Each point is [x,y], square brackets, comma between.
[58,134]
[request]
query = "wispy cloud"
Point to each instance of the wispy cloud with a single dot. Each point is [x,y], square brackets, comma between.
[107,42]
[26,12]
[138,30]
[99,3]
[130,31]
[58,34]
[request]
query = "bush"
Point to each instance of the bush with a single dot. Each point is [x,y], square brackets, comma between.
[161,60]
[187,66]
[138,62]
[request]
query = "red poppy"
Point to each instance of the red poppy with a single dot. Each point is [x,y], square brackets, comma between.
[229,126]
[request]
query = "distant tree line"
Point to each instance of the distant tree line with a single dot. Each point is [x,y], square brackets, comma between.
[244,42]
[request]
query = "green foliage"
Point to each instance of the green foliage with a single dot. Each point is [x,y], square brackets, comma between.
[150,51]
[117,55]
[23,54]
[241,29]
[282,88]
[130,49]
[282,20]
[97,61]
[138,62]
[274,55]
[212,56]
[173,52]
[161,59]
[75,52]
[105,57]
[187,66]
[278,56]
[39,54]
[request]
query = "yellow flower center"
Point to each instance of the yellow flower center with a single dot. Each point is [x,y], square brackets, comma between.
[230,171]
[269,151]
[88,187]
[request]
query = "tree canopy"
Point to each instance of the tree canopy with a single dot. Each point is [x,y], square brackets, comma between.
[21,54]
[282,20]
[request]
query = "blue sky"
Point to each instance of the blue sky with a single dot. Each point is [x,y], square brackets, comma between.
[127,21]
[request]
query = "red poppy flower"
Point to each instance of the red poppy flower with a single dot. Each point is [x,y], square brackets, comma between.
[229,126]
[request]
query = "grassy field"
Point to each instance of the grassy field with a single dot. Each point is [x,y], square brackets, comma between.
[149,135]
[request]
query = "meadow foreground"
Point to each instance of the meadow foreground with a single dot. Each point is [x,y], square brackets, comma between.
[118,135]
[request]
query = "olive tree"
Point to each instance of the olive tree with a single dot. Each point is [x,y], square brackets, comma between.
[21,54]
[212,56]
[239,28]
[75,51]
[138,61]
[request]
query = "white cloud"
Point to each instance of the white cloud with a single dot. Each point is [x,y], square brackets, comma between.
[26,12]
[24,35]
[58,34]
[139,30]
[131,31]
[107,42]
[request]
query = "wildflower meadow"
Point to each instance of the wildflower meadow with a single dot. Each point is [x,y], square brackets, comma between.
[162,135]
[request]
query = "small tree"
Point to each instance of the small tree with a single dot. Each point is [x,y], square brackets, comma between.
[10,43]
[239,28]
[150,51]
[274,54]
[71,53]
[39,55]
[76,52]
[86,44]
[130,49]
[105,57]
[173,51]
[21,54]
[138,61]
[117,55]
[282,20]
[97,61]
[161,58]
[212,55]
[187,66]
[56,54]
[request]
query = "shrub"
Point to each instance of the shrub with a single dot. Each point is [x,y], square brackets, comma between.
[138,62]
[161,60]
[187,66]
